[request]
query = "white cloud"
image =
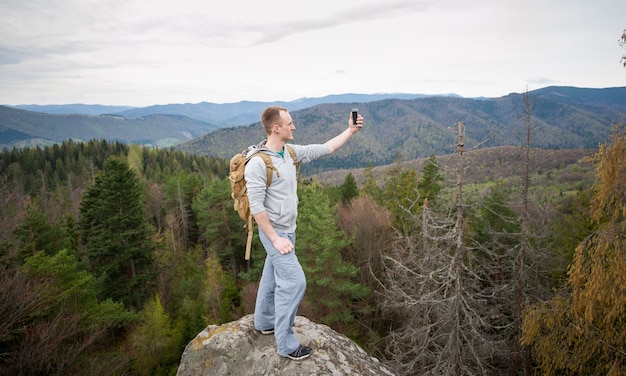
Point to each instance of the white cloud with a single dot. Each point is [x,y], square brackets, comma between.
[149,52]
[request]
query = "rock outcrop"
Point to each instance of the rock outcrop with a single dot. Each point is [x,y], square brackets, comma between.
[237,349]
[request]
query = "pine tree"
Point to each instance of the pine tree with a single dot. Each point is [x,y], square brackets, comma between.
[401,197]
[36,232]
[430,182]
[155,342]
[116,236]
[223,229]
[331,280]
[180,192]
[584,332]
[371,186]
[348,189]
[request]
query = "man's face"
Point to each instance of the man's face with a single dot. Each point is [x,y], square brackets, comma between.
[285,126]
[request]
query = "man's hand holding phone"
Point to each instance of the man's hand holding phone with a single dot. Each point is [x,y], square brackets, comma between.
[357,120]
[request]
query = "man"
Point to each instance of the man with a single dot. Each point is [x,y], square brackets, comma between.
[275,209]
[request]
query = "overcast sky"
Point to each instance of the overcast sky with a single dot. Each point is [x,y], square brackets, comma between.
[145,52]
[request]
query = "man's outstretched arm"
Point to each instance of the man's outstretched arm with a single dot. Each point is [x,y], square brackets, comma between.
[338,141]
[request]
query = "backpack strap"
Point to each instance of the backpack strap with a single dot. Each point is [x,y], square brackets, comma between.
[292,153]
[250,228]
[269,165]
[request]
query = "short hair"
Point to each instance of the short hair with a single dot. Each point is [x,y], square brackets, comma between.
[271,116]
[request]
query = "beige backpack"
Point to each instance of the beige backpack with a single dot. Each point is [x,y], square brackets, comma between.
[239,192]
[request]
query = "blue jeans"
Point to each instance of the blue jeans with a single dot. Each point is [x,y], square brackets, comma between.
[280,292]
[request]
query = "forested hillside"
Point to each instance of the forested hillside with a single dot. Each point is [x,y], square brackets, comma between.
[565,118]
[397,126]
[118,255]
[103,272]
[473,261]
[19,128]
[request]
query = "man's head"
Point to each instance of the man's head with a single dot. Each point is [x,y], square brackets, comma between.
[271,116]
[277,122]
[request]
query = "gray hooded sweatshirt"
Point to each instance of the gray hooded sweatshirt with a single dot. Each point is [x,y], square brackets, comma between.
[280,199]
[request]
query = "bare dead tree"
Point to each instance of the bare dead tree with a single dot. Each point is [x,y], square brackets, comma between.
[432,284]
[520,358]
[511,241]
[183,216]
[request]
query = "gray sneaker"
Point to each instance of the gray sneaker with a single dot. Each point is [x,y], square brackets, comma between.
[302,352]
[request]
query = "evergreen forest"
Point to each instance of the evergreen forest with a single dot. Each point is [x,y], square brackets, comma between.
[114,256]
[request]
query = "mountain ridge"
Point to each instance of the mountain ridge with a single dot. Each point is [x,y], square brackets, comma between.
[395,129]
[562,118]
[20,128]
[222,114]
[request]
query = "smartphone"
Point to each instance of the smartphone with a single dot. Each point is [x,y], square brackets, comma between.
[355,112]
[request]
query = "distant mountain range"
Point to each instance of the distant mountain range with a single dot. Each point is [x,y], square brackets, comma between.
[168,125]
[398,126]
[222,115]
[20,128]
[562,118]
